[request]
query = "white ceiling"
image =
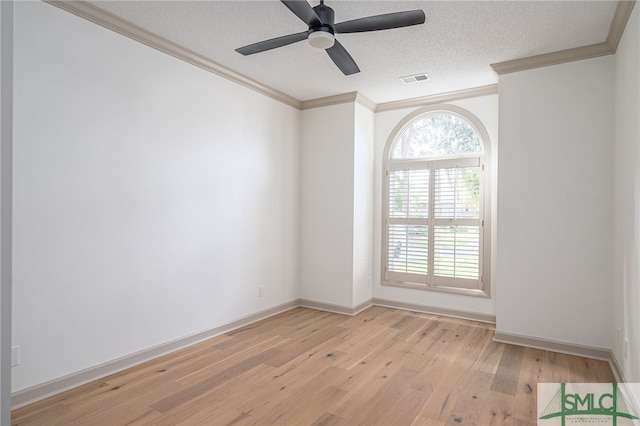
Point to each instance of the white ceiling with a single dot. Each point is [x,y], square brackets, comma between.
[454,47]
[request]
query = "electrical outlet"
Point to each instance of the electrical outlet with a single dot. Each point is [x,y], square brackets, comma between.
[261,291]
[15,356]
[625,349]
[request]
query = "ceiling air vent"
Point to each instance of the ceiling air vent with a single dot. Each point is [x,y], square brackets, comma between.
[414,78]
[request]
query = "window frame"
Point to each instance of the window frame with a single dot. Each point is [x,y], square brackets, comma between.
[484,284]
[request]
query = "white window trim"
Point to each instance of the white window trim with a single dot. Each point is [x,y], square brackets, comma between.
[485,204]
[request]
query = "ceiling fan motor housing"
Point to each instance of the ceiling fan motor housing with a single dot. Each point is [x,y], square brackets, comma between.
[321,34]
[327,18]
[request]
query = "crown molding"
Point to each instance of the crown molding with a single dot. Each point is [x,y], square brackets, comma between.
[553,58]
[491,89]
[608,47]
[343,98]
[358,97]
[619,22]
[105,19]
[366,102]
[92,13]
[114,23]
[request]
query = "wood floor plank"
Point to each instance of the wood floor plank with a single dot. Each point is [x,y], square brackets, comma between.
[498,410]
[324,400]
[305,367]
[327,419]
[222,398]
[448,376]
[367,381]
[146,418]
[530,375]
[395,402]
[589,370]
[122,406]
[295,393]
[210,382]
[297,348]
[506,378]
[197,371]
[48,415]
[222,416]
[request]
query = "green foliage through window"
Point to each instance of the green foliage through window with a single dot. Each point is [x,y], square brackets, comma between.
[436,135]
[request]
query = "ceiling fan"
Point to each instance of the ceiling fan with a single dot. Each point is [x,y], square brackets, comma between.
[322,30]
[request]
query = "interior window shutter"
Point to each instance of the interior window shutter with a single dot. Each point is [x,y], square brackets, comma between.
[456,227]
[407,225]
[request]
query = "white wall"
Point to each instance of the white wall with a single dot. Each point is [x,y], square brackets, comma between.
[486,109]
[327,205]
[6,142]
[555,204]
[151,198]
[337,201]
[626,190]
[363,204]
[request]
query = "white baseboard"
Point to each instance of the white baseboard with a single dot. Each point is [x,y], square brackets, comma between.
[50,388]
[603,354]
[44,390]
[346,310]
[338,309]
[615,367]
[455,313]
[553,345]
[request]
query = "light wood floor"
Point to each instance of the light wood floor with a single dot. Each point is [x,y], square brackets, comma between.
[306,367]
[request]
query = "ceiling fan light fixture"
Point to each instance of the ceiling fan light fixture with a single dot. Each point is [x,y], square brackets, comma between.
[321,39]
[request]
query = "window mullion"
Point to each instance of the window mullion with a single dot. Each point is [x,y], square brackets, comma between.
[431,221]
[481,222]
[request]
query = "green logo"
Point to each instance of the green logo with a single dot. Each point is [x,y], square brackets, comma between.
[588,403]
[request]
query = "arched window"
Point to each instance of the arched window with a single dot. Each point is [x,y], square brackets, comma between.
[435,203]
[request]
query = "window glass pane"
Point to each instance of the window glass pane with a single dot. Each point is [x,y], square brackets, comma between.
[457,192]
[409,194]
[457,251]
[408,249]
[437,135]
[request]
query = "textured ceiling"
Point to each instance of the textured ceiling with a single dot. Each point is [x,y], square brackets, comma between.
[454,47]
